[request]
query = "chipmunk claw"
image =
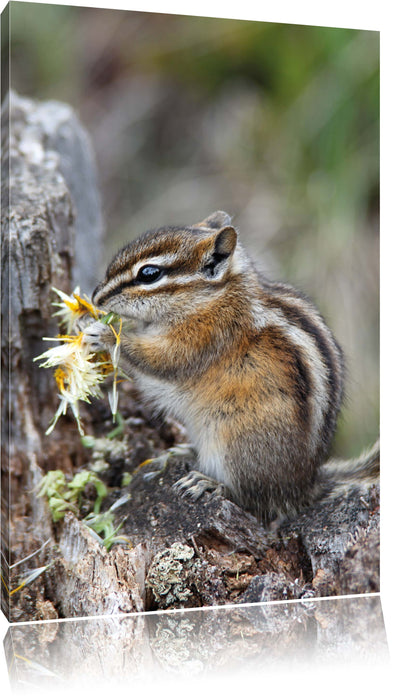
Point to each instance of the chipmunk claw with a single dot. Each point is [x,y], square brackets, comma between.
[161,462]
[98,336]
[195,484]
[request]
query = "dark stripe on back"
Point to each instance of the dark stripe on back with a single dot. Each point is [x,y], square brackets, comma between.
[298,372]
[334,363]
[303,387]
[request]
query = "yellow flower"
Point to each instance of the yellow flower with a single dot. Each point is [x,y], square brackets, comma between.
[73,307]
[79,372]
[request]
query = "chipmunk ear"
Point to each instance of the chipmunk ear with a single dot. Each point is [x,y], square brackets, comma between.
[222,247]
[215,220]
[225,241]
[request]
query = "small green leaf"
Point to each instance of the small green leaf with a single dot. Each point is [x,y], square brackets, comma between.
[110,318]
[126,479]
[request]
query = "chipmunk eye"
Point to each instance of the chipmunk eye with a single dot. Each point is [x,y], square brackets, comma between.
[149,274]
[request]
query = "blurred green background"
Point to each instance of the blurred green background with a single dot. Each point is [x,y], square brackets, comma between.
[276,124]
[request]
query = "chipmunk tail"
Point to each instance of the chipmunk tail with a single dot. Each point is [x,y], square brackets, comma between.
[339,476]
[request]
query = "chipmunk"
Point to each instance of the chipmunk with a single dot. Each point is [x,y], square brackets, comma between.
[248,366]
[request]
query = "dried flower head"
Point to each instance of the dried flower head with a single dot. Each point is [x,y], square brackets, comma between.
[72,308]
[79,372]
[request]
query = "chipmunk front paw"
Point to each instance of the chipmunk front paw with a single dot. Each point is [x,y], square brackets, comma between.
[98,336]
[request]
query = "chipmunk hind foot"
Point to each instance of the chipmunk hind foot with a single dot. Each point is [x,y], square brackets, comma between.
[195,484]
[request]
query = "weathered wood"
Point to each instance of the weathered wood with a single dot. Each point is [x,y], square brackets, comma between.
[89,580]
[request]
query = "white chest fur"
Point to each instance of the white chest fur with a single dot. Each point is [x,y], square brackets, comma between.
[201,430]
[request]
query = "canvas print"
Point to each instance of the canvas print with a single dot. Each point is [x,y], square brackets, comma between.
[190,309]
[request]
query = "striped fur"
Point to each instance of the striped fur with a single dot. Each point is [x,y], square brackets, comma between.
[249,366]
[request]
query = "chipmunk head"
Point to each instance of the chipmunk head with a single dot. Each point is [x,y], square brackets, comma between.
[170,269]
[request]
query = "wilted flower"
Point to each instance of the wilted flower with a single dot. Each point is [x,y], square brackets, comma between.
[73,307]
[80,372]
